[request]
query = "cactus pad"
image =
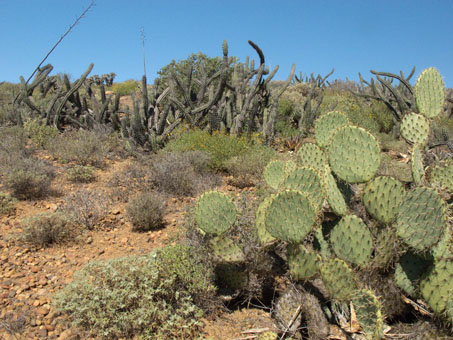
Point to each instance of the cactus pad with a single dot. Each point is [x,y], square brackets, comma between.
[310,154]
[369,314]
[430,93]
[231,276]
[382,197]
[215,212]
[338,279]
[334,196]
[421,218]
[409,270]
[436,288]
[441,176]
[415,128]
[225,250]
[302,263]
[326,125]
[352,241]
[290,216]
[354,154]
[306,180]
[264,237]
[274,173]
[418,170]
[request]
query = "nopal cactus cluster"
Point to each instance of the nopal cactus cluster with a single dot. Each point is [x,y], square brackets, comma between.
[402,232]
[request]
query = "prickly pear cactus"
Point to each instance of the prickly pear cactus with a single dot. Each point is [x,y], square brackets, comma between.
[369,314]
[303,263]
[382,197]
[333,194]
[421,218]
[306,180]
[226,250]
[290,216]
[215,212]
[274,173]
[415,128]
[264,237]
[409,270]
[436,288]
[352,241]
[338,279]
[354,154]
[441,176]
[326,125]
[418,170]
[430,93]
[310,154]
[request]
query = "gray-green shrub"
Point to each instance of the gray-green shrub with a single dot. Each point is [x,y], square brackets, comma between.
[146,212]
[162,295]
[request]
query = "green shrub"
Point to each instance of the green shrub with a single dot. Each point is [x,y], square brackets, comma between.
[46,229]
[382,115]
[125,88]
[7,204]
[83,147]
[80,174]
[183,173]
[146,212]
[249,166]
[161,295]
[219,145]
[40,133]
[28,178]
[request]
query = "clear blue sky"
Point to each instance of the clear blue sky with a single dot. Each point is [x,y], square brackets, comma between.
[350,35]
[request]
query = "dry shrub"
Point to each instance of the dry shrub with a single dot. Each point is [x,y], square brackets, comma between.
[146,212]
[183,173]
[47,229]
[86,208]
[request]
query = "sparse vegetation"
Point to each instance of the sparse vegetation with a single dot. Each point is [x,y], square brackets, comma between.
[146,212]
[46,229]
[80,174]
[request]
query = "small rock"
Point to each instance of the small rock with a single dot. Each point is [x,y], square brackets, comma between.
[65,334]
[42,332]
[89,240]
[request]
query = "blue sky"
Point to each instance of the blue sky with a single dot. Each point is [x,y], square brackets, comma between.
[350,35]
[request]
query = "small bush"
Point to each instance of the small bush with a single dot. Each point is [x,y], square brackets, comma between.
[80,174]
[83,147]
[382,115]
[183,173]
[219,145]
[40,133]
[86,208]
[248,167]
[125,88]
[29,178]
[12,145]
[146,212]
[161,295]
[7,204]
[47,229]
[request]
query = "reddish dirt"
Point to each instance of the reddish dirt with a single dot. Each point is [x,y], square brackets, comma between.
[29,276]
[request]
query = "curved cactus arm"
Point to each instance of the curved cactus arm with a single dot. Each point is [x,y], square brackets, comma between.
[74,88]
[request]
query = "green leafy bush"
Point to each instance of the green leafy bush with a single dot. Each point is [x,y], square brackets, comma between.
[47,229]
[28,178]
[146,212]
[83,147]
[125,88]
[162,295]
[219,145]
[7,203]
[183,173]
[80,174]
[40,133]
[382,115]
